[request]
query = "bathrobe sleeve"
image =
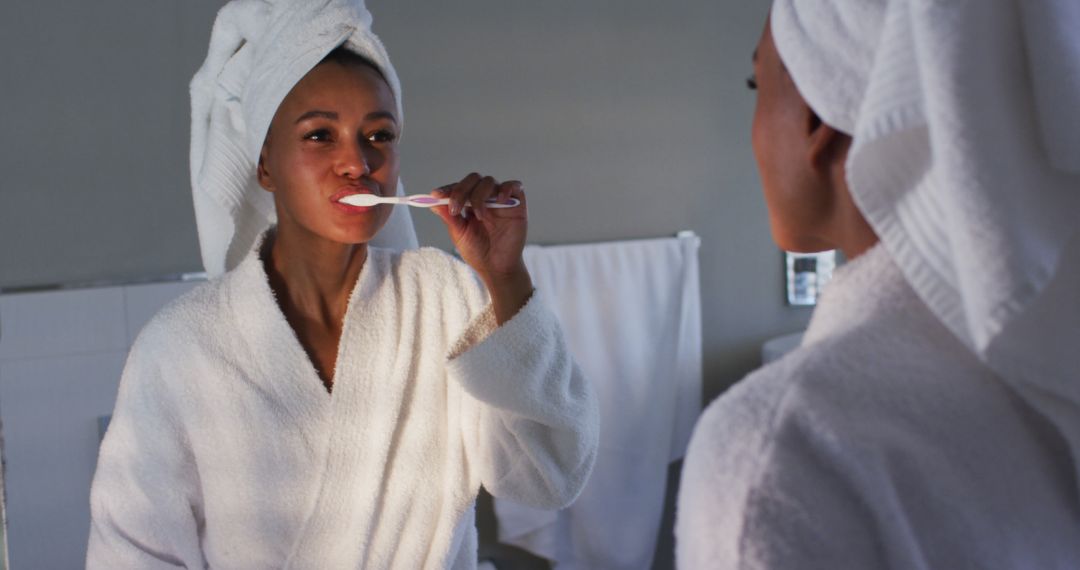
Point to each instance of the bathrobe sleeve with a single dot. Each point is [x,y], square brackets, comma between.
[531,419]
[145,503]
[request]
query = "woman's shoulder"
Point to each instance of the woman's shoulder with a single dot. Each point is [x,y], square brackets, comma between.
[861,392]
[193,315]
[865,374]
[826,398]
[744,415]
[842,427]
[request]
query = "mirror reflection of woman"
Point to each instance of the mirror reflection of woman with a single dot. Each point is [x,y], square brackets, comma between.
[326,403]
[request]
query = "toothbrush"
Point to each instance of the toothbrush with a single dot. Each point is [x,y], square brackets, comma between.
[417,200]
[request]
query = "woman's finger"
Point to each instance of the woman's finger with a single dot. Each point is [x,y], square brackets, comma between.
[460,192]
[483,190]
[506,189]
[456,224]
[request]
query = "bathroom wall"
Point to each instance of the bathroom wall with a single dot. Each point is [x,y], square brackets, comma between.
[61,354]
[624,118]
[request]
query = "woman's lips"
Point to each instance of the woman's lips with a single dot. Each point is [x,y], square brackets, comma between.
[349,191]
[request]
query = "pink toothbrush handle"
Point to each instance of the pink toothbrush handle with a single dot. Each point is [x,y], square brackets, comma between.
[429,201]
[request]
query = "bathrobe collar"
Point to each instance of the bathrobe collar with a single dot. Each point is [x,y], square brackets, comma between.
[861,290]
[361,411]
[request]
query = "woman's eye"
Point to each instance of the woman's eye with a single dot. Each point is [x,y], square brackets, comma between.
[751,82]
[382,136]
[318,135]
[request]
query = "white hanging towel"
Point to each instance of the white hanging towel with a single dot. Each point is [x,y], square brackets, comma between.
[631,312]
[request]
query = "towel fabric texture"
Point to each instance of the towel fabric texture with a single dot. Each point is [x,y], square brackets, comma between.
[966,162]
[631,312]
[882,442]
[966,151]
[931,416]
[259,50]
[226,451]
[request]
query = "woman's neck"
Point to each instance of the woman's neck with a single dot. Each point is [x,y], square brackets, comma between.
[311,276]
[850,232]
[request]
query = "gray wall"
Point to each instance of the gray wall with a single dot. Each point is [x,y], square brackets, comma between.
[624,118]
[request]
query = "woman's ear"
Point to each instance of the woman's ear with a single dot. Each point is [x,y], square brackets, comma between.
[261,173]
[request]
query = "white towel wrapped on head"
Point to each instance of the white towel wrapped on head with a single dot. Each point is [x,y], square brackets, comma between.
[931,416]
[966,151]
[260,49]
[957,160]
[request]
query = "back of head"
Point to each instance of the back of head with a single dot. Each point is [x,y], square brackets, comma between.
[965,160]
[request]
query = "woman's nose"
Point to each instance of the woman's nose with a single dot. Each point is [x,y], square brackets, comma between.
[352,161]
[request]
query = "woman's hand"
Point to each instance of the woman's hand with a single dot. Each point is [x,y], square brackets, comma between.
[490,240]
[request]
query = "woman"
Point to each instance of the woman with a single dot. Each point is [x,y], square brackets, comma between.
[931,416]
[325,403]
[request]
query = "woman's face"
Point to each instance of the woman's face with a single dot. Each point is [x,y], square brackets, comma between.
[781,135]
[335,134]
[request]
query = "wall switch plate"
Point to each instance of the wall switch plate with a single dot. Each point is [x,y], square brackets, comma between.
[807,275]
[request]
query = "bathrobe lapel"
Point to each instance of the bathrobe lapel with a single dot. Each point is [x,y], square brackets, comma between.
[280,368]
[365,406]
[383,472]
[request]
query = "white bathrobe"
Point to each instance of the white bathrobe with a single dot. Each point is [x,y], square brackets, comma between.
[881,443]
[225,449]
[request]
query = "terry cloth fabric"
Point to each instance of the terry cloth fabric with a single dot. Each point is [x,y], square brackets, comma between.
[966,152]
[882,442]
[260,49]
[965,160]
[631,312]
[226,451]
